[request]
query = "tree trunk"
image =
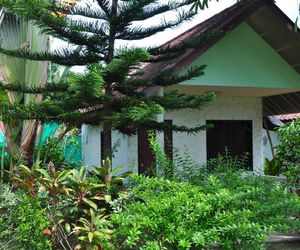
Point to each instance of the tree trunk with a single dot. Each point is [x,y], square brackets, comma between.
[28,139]
[107,126]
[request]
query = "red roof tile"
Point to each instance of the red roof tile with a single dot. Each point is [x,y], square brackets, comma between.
[287,117]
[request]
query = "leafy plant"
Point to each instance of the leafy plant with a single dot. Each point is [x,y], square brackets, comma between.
[61,148]
[84,188]
[17,32]
[25,177]
[226,161]
[54,181]
[272,167]
[32,225]
[114,187]
[94,232]
[52,150]
[232,211]
[9,201]
[288,152]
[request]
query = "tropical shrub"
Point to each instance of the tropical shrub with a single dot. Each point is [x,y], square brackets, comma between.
[8,203]
[68,209]
[232,212]
[273,167]
[184,169]
[288,151]
[61,148]
[52,150]
[23,222]
[215,205]
[181,168]
[32,224]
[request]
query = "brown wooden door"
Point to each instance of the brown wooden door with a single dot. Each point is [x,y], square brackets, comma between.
[145,156]
[236,136]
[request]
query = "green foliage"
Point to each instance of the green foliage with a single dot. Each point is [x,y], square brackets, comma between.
[202,4]
[288,151]
[95,231]
[52,150]
[89,84]
[60,147]
[54,181]
[71,208]
[83,188]
[9,201]
[184,169]
[31,221]
[272,167]
[25,177]
[232,211]
[112,180]
[22,222]
[218,204]
[166,166]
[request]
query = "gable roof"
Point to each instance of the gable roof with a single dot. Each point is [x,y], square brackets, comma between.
[224,21]
[266,19]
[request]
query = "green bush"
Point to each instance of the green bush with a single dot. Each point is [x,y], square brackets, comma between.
[288,151]
[8,203]
[62,148]
[30,222]
[232,211]
[22,222]
[273,167]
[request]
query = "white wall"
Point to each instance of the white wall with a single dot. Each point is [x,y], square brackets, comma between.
[224,108]
[91,148]
[266,144]
[91,145]
[121,143]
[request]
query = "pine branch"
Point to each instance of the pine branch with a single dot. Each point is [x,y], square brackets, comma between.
[18,87]
[117,71]
[162,78]
[39,12]
[137,33]
[86,12]
[169,77]
[172,100]
[131,128]
[169,51]
[140,10]
[90,26]
[105,6]
[62,57]
[162,126]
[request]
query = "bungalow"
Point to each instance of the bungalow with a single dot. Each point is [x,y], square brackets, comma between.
[254,70]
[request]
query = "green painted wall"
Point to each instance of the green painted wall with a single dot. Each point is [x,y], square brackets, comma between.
[243,59]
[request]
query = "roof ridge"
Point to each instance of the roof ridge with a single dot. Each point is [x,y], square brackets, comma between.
[216,18]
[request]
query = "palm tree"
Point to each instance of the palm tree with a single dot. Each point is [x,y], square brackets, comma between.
[16,32]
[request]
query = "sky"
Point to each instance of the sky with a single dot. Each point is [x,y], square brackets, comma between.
[290,7]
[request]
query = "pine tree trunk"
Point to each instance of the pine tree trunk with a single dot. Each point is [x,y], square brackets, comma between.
[107,126]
